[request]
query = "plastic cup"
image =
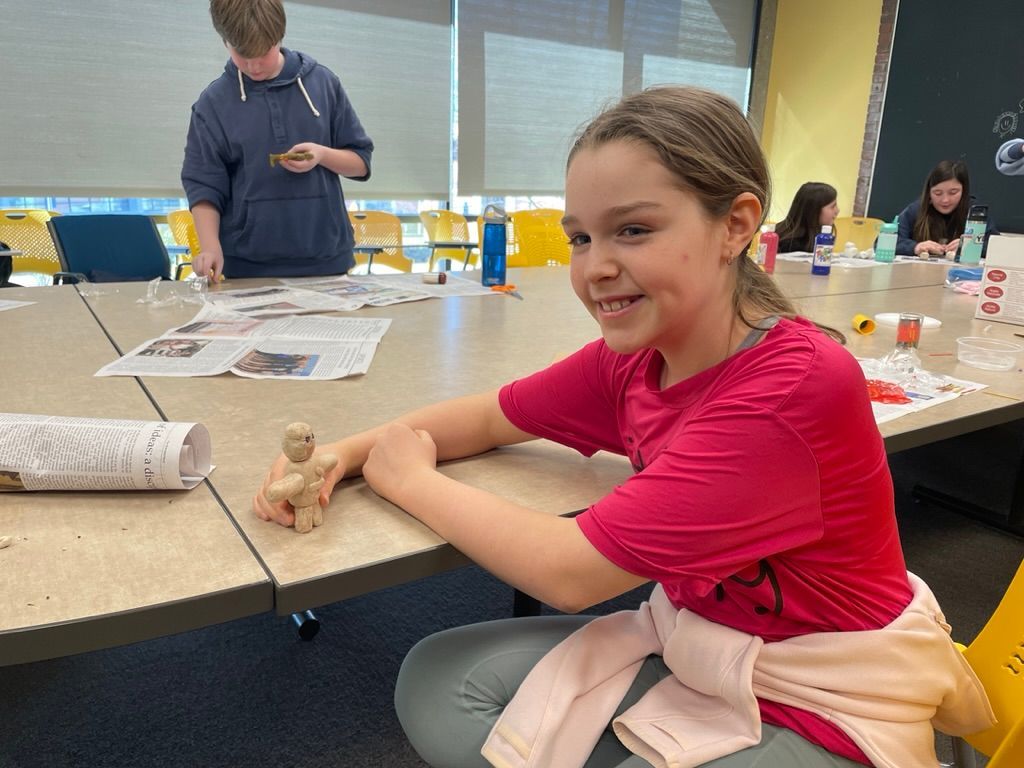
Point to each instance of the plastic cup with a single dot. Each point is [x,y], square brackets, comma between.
[987,354]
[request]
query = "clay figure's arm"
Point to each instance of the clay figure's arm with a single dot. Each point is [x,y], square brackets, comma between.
[286,487]
[325,462]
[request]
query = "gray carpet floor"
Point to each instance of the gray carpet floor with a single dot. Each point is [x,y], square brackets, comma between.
[250,693]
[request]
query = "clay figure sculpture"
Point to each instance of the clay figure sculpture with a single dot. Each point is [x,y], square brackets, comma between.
[304,476]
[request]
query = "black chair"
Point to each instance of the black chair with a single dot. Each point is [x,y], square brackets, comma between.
[6,267]
[108,248]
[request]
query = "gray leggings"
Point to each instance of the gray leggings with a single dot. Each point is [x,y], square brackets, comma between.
[453,686]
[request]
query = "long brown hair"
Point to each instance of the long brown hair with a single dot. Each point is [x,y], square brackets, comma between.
[932,225]
[704,140]
[802,223]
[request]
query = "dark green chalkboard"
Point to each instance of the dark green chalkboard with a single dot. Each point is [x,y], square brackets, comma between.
[956,73]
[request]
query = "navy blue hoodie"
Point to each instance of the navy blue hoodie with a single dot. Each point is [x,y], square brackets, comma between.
[274,222]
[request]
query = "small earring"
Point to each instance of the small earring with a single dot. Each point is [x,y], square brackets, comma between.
[730,261]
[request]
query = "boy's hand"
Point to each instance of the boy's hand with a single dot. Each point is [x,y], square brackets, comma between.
[209,263]
[303,166]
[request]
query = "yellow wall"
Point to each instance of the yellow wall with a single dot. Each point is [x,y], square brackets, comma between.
[822,62]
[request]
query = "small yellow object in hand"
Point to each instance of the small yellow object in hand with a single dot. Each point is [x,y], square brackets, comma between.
[275,159]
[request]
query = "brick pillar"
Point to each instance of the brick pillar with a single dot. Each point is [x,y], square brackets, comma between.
[873,121]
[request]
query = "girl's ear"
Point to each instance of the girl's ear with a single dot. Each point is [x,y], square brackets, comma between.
[741,221]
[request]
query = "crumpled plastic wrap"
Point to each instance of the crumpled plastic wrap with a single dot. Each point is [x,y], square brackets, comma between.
[162,293]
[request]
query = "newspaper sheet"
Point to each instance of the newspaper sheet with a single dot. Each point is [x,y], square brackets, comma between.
[6,304]
[923,389]
[216,341]
[63,453]
[381,290]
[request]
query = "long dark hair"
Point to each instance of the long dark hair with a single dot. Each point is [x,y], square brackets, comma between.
[802,222]
[932,225]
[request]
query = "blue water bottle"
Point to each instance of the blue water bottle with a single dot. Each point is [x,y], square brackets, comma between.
[493,249]
[821,262]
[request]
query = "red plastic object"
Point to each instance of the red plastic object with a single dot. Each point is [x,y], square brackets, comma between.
[886,392]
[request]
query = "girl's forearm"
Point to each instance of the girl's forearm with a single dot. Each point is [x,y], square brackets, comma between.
[465,426]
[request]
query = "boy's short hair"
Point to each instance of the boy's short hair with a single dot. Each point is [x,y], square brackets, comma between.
[251,27]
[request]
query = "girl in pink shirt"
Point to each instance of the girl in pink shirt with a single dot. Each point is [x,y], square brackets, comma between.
[761,500]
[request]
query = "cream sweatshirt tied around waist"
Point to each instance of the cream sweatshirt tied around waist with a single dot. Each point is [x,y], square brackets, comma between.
[885,688]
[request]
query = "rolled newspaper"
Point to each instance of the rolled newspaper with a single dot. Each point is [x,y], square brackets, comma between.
[66,453]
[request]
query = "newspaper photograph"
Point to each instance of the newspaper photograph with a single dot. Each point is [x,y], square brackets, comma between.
[305,359]
[64,453]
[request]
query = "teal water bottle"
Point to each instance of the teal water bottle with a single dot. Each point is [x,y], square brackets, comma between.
[885,246]
[972,242]
[821,262]
[492,249]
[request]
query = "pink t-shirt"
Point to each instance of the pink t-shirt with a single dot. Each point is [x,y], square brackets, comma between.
[762,498]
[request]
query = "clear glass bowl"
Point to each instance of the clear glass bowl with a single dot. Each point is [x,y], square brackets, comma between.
[987,354]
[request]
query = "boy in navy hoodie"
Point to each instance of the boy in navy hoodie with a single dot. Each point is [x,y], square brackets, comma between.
[256,218]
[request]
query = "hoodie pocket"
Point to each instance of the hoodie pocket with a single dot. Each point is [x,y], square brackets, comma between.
[293,227]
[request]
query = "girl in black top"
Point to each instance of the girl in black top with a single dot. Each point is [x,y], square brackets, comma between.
[814,206]
[933,224]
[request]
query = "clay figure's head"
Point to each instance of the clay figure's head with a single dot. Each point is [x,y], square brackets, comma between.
[299,441]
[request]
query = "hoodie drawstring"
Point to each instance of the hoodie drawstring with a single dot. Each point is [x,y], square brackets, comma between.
[309,101]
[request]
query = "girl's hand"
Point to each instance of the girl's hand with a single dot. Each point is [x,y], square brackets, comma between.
[952,245]
[928,247]
[281,512]
[398,457]
[304,166]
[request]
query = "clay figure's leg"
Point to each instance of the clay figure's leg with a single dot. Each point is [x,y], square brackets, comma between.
[318,515]
[303,519]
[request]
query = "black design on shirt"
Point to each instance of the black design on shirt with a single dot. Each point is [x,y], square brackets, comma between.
[765,571]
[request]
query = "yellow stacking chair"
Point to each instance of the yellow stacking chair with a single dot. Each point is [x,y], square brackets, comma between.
[537,238]
[24,229]
[997,658]
[183,229]
[380,234]
[452,227]
[859,230]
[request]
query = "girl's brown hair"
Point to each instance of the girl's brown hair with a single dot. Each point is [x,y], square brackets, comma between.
[932,225]
[251,27]
[710,148]
[802,222]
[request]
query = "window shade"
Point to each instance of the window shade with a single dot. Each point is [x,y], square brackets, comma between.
[96,96]
[531,73]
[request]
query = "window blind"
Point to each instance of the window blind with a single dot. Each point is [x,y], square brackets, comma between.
[531,73]
[96,96]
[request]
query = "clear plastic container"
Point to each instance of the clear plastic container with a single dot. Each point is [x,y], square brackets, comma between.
[987,354]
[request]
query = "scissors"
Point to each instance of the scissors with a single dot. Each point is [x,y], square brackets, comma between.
[510,289]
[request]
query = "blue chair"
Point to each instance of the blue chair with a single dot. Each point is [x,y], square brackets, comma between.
[107,248]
